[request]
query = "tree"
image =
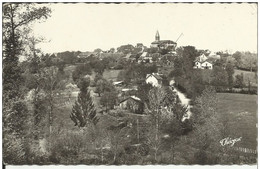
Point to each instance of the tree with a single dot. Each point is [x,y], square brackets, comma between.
[52,83]
[83,112]
[189,54]
[156,100]
[239,81]
[220,78]
[207,126]
[237,55]
[103,85]
[81,71]
[143,91]
[99,67]
[15,120]
[15,18]
[108,99]
[68,57]
[230,72]
[98,50]
[112,50]
[125,49]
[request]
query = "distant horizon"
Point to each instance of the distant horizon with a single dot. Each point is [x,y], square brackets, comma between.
[86,27]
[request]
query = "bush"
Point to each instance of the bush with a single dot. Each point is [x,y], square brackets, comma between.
[71,147]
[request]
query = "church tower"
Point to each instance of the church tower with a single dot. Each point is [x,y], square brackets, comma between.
[157,36]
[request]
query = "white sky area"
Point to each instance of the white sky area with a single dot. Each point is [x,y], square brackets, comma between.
[85,27]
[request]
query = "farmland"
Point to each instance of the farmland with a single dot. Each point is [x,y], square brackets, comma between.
[240,111]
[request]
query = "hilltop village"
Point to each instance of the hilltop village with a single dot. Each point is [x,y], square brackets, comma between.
[129,105]
[137,102]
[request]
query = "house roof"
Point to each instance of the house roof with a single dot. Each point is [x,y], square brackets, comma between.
[132,97]
[116,83]
[163,41]
[211,62]
[156,75]
[144,54]
[128,55]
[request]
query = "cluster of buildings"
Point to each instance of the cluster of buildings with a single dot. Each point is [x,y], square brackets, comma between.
[163,44]
[141,53]
[205,62]
[135,104]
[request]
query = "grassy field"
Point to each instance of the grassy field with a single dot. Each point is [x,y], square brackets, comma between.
[247,75]
[111,74]
[240,110]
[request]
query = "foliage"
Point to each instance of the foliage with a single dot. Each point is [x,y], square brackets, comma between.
[83,111]
[68,57]
[246,60]
[239,81]
[125,49]
[165,116]
[102,85]
[136,72]
[81,71]
[220,78]
[17,17]
[98,66]
[143,91]
[230,72]
[13,22]
[207,126]
[109,99]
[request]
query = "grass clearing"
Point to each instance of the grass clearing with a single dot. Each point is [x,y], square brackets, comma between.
[111,74]
[240,110]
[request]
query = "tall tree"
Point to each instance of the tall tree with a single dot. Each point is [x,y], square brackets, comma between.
[207,126]
[156,101]
[230,72]
[52,84]
[16,16]
[84,112]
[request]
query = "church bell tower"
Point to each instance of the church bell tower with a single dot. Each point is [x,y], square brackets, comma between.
[157,36]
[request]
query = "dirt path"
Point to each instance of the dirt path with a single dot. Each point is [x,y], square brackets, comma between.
[184,100]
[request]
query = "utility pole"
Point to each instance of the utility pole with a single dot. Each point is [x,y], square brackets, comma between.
[137,125]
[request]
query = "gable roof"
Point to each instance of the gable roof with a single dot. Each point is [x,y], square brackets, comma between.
[144,54]
[133,98]
[156,75]
[128,55]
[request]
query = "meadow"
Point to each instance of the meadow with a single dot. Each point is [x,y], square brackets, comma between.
[240,113]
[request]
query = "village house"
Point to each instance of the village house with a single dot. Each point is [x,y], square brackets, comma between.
[154,79]
[145,57]
[133,104]
[203,62]
[118,83]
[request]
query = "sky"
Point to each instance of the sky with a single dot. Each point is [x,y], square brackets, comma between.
[85,27]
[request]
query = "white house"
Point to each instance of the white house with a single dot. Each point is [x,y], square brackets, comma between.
[202,58]
[203,65]
[197,65]
[203,62]
[154,79]
[145,58]
[206,65]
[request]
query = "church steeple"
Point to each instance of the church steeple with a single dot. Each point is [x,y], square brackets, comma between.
[157,36]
